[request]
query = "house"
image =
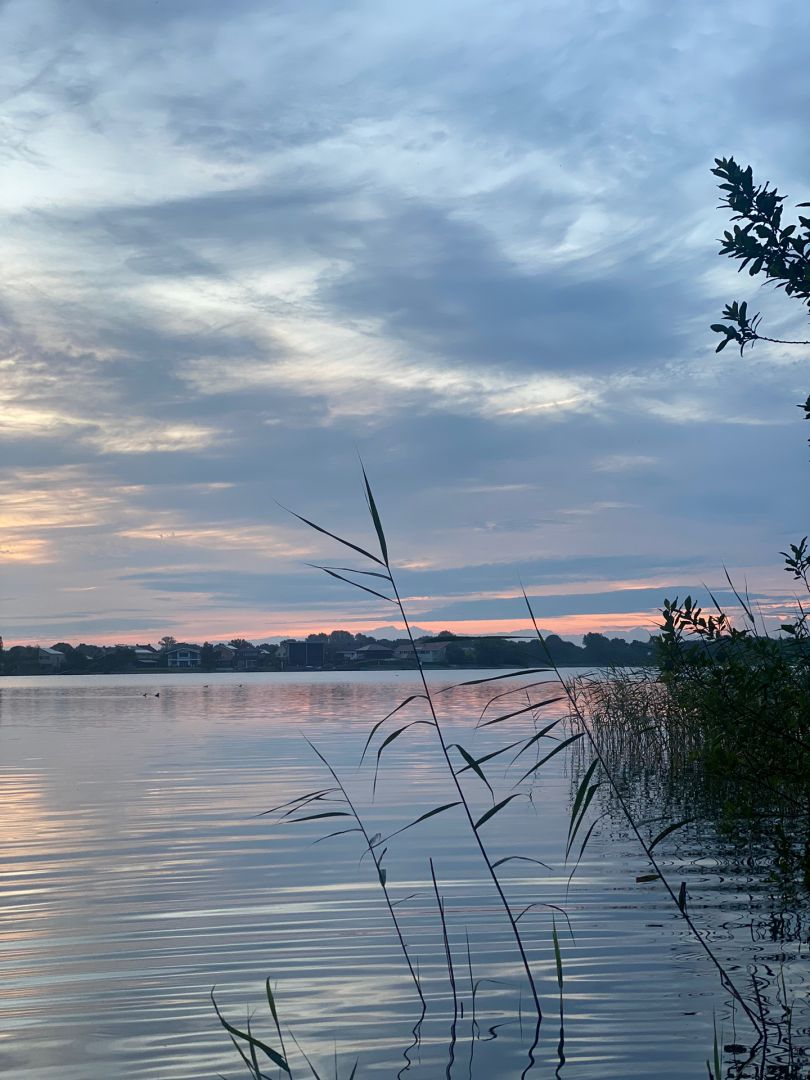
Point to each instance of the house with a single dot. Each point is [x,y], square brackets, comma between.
[302,654]
[248,658]
[51,661]
[433,652]
[367,653]
[184,656]
[224,656]
[146,655]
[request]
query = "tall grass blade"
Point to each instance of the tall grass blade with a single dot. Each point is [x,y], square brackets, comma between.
[334,536]
[492,754]
[389,739]
[560,746]
[448,954]
[493,810]
[667,831]
[304,1055]
[379,724]
[272,1054]
[423,817]
[557,956]
[519,858]
[534,739]
[493,678]
[519,712]
[375,517]
[472,764]
[354,584]
[353,570]
[325,814]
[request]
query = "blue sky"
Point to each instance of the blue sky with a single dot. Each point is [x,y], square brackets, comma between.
[475,242]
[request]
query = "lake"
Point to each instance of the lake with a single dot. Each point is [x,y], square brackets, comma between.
[137,874]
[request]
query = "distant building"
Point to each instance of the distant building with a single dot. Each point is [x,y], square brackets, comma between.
[224,656]
[51,661]
[302,654]
[146,655]
[370,652]
[247,658]
[433,652]
[184,656]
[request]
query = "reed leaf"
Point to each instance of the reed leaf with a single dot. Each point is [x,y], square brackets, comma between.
[493,810]
[268,1051]
[519,858]
[682,897]
[510,693]
[375,517]
[492,754]
[534,739]
[353,570]
[519,712]
[299,801]
[325,814]
[472,764]
[667,831]
[587,802]
[379,724]
[493,678]
[333,536]
[355,584]
[581,803]
[338,832]
[389,739]
[588,835]
[560,746]
[557,956]
[423,817]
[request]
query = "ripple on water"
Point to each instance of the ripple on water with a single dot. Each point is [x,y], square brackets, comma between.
[137,875]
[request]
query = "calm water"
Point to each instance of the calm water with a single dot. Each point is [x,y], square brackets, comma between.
[136,875]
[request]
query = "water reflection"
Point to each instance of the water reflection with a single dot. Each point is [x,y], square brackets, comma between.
[137,875]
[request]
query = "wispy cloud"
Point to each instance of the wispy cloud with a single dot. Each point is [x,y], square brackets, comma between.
[474,241]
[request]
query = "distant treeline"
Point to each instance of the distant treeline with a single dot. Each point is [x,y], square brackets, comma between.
[340,652]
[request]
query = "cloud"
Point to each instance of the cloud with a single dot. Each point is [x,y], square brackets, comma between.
[475,242]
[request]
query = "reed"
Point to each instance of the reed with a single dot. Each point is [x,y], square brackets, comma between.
[609,725]
[386,575]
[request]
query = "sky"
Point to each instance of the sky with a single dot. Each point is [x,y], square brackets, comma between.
[473,243]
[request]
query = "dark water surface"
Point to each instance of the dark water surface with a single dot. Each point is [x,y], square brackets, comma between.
[136,875]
